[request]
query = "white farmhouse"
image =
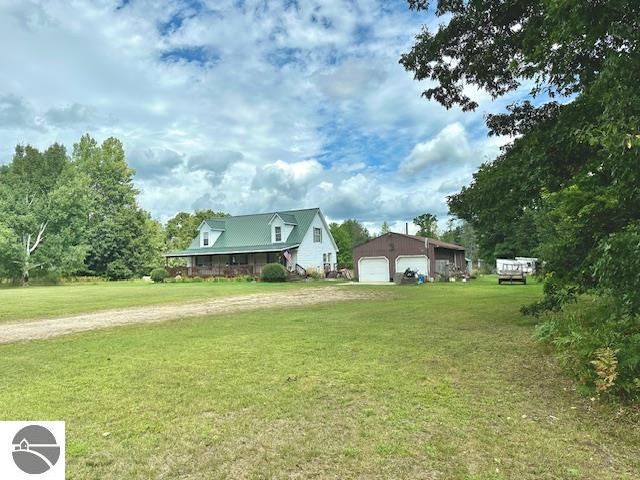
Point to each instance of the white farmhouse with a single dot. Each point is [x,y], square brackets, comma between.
[298,239]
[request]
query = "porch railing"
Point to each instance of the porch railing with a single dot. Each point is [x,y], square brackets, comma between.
[216,271]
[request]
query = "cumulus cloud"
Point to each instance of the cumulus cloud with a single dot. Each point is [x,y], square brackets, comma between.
[240,106]
[70,115]
[214,164]
[351,79]
[282,180]
[155,162]
[449,146]
[15,113]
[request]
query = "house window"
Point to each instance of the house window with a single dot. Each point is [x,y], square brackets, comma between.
[324,258]
[240,259]
[329,257]
[317,235]
[278,234]
[205,239]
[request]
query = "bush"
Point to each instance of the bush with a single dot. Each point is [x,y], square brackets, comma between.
[274,272]
[315,273]
[158,275]
[118,270]
[598,342]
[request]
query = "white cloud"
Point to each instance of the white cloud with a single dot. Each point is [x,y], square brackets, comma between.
[256,105]
[450,146]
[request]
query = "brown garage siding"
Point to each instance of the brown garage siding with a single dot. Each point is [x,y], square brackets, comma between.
[392,245]
[389,245]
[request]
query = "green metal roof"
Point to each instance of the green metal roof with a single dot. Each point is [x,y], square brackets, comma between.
[252,233]
[288,218]
[216,223]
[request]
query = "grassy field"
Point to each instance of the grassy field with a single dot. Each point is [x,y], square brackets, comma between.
[441,381]
[24,303]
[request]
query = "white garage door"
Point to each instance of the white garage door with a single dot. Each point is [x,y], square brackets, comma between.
[414,262]
[373,269]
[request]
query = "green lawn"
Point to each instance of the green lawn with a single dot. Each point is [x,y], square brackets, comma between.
[441,381]
[23,303]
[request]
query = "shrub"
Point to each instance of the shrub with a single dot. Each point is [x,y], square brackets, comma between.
[118,270]
[158,275]
[598,342]
[315,273]
[274,272]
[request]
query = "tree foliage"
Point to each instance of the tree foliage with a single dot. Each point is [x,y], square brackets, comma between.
[427,224]
[182,228]
[43,203]
[567,189]
[462,233]
[118,229]
[347,235]
[61,215]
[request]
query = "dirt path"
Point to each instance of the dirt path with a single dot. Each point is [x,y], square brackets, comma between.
[52,327]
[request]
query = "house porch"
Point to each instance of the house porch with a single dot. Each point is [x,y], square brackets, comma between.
[231,265]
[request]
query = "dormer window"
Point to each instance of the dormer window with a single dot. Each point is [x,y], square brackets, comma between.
[278,231]
[205,239]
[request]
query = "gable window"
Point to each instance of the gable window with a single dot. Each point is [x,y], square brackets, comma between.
[278,234]
[317,235]
[205,239]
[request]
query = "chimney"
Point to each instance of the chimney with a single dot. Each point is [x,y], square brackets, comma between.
[406,228]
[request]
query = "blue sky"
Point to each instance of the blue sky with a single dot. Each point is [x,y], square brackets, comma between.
[243,106]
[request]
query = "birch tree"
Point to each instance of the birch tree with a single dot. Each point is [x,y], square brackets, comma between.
[42,201]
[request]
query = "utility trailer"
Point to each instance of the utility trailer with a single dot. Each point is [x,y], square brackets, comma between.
[512,274]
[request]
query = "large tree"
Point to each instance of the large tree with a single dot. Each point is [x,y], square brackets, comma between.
[344,244]
[43,205]
[123,241]
[568,188]
[427,224]
[570,179]
[462,233]
[347,235]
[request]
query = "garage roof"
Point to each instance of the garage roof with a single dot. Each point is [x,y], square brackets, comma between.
[432,241]
[436,243]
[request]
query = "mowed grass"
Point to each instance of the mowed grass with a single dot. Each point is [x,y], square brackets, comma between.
[33,302]
[441,381]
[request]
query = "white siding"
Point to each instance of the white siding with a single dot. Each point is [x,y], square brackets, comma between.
[310,253]
[213,235]
[285,229]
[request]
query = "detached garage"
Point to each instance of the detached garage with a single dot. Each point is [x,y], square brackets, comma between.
[379,259]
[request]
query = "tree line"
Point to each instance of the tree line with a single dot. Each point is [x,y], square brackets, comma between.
[77,214]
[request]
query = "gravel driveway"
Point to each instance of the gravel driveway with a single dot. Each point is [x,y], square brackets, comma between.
[52,327]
